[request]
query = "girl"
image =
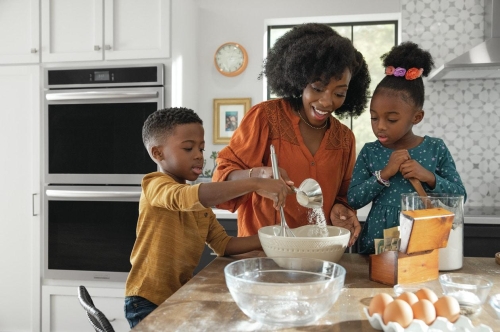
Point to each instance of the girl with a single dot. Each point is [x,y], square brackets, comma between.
[383,167]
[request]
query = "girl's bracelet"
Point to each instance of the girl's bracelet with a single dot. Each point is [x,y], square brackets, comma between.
[380,180]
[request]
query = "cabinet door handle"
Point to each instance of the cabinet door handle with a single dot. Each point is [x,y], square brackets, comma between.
[34,50]
[33,205]
[107,47]
[97,48]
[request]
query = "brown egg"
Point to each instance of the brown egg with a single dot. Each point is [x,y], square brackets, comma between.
[378,303]
[447,307]
[398,311]
[427,294]
[425,311]
[408,297]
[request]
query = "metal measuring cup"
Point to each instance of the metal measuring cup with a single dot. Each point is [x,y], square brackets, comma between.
[309,194]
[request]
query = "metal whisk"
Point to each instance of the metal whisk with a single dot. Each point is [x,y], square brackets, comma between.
[285,230]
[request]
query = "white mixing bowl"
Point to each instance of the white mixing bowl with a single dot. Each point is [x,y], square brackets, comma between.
[304,244]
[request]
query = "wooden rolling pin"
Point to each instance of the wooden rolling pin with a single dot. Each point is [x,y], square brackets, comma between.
[421,192]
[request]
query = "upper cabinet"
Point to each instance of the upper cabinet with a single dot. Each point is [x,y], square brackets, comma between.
[19,36]
[89,30]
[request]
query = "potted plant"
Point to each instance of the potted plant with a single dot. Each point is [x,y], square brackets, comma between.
[206,175]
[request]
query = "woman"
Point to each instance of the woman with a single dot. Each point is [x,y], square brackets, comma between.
[316,72]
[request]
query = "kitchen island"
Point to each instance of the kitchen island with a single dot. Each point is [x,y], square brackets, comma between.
[205,304]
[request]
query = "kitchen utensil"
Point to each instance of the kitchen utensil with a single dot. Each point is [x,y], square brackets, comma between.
[309,194]
[285,230]
[306,243]
[470,290]
[284,291]
[417,185]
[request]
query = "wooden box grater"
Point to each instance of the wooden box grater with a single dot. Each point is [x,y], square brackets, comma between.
[422,233]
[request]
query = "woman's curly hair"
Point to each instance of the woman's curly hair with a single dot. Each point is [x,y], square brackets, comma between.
[315,52]
[406,55]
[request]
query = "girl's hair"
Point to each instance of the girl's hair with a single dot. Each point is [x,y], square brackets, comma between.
[406,55]
[315,52]
[161,123]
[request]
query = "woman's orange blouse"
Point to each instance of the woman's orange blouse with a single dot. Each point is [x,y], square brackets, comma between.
[275,122]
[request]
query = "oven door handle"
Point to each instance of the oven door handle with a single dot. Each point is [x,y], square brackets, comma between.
[100,95]
[92,194]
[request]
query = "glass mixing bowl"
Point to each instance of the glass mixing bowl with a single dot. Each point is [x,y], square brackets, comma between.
[470,290]
[284,291]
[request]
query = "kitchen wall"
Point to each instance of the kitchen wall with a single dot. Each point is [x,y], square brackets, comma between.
[182,90]
[463,112]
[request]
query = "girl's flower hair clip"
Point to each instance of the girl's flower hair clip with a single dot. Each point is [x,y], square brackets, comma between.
[410,74]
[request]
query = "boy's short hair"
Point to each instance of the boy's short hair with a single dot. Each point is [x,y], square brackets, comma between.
[161,123]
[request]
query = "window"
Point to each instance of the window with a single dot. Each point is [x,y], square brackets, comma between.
[372,39]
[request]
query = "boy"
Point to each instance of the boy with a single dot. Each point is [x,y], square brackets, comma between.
[175,219]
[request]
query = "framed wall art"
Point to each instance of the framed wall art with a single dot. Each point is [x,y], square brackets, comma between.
[228,114]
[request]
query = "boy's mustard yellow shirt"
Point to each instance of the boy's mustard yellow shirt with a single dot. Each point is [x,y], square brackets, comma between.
[172,229]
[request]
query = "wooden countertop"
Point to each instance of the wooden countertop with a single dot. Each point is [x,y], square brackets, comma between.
[205,304]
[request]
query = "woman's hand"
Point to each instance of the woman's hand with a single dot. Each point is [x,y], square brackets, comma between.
[267,173]
[341,216]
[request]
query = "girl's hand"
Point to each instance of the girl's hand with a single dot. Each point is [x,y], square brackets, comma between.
[395,160]
[276,190]
[412,169]
[343,217]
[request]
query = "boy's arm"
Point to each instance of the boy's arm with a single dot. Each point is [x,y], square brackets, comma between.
[213,193]
[240,245]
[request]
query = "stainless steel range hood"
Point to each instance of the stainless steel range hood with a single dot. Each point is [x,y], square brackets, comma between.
[483,60]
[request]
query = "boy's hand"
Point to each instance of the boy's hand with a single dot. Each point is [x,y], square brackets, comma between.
[343,217]
[395,160]
[277,190]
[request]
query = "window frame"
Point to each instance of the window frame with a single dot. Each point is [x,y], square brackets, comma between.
[339,20]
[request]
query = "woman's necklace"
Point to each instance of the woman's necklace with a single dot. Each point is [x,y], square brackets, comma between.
[307,123]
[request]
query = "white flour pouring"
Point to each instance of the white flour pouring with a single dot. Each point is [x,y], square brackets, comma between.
[317,218]
[309,195]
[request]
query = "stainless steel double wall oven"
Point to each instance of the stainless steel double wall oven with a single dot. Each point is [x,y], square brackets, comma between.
[94,160]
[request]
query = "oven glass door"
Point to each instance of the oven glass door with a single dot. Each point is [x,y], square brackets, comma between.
[89,232]
[95,137]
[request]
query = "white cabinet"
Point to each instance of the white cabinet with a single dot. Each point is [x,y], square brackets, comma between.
[20,198]
[62,311]
[19,31]
[88,30]
[71,30]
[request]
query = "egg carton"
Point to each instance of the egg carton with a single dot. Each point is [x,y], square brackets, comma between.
[463,324]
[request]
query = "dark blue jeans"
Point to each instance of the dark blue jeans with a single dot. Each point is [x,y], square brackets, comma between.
[137,308]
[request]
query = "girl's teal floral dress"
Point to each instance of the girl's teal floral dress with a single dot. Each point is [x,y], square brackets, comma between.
[432,154]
